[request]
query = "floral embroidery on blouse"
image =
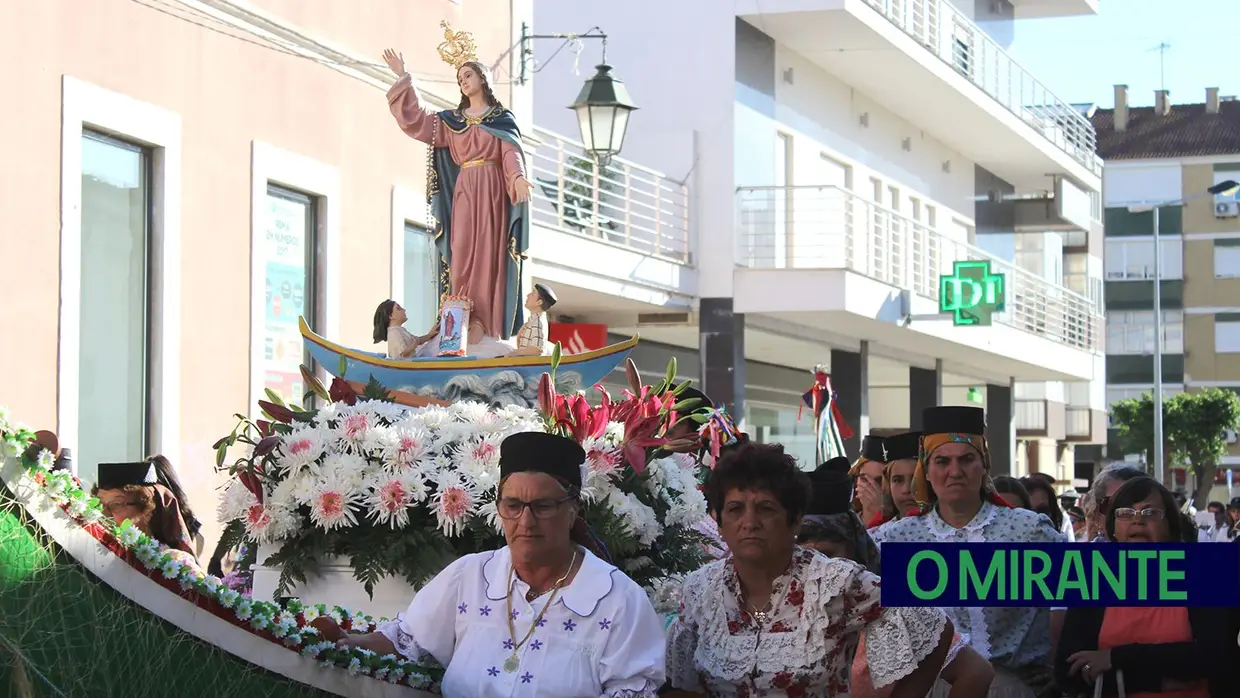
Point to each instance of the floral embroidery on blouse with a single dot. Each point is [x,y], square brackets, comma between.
[805,646]
[1010,637]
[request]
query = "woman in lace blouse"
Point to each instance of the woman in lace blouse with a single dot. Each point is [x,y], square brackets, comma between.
[776,619]
[959,504]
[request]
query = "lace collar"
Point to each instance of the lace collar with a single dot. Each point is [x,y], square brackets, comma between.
[582,596]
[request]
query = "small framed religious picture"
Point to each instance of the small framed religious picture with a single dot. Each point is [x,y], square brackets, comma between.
[454,326]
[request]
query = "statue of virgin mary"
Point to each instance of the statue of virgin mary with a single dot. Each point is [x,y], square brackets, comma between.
[479,193]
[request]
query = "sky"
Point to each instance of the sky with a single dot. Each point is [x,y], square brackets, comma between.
[1081,59]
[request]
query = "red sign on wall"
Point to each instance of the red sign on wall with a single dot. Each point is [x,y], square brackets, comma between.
[577,337]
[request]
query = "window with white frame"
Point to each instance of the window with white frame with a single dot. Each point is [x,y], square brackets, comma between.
[119,344]
[1132,332]
[295,265]
[1133,258]
[291,263]
[1226,258]
[114,329]
[1226,336]
[421,287]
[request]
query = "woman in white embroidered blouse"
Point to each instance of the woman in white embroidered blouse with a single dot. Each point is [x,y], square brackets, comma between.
[542,616]
[775,619]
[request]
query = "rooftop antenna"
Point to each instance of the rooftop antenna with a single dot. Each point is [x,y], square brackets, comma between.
[1162,49]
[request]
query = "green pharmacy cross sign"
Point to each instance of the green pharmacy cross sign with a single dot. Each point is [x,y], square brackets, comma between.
[971,293]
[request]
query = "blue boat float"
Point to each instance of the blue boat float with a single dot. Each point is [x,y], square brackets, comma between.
[454,378]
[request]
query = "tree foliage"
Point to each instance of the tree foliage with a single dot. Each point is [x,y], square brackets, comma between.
[1195,427]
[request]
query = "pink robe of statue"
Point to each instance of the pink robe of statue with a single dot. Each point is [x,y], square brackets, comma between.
[489,166]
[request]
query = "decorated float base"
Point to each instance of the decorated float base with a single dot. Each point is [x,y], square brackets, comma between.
[333,584]
[77,619]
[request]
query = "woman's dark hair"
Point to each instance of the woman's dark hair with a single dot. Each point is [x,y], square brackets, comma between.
[168,478]
[1138,489]
[1034,483]
[383,319]
[752,467]
[1005,484]
[581,533]
[487,92]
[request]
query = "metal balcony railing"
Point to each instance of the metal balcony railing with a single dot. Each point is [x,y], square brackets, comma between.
[621,203]
[813,227]
[1077,421]
[1031,415]
[956,40]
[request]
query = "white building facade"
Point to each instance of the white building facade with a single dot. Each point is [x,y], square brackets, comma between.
[838,157]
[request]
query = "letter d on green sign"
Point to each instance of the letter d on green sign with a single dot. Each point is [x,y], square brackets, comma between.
[916,588]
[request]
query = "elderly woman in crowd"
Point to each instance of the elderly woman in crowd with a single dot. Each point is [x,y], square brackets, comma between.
[952,482]
[542,616]
[1097,500]
[777,619]
[149,495]
[1164,652]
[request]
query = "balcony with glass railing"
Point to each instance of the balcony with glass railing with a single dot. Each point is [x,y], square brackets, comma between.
[825,227]
[953,38]
[621,204]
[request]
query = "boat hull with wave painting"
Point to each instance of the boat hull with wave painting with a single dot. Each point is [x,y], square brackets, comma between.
[437,375]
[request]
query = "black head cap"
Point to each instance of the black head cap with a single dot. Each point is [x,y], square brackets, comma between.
[540,452]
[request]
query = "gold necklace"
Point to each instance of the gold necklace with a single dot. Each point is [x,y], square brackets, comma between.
[514,662]
[475,120]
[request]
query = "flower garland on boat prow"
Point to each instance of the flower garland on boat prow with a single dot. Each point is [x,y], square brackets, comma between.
[402,491]
[287,622]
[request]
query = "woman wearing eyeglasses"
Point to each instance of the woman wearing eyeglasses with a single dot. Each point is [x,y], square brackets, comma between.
[1158,652]
[542,616]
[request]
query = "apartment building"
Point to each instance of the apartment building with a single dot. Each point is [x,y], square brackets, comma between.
[1171,154]
[841,158]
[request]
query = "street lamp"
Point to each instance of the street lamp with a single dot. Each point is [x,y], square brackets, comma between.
[1227,187]
[602,107]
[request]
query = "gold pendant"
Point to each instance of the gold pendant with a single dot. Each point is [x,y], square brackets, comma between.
[512,664]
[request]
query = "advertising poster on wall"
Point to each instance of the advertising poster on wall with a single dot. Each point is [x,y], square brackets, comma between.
[285,256]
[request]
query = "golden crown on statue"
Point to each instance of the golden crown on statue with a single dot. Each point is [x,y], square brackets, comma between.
[458,48]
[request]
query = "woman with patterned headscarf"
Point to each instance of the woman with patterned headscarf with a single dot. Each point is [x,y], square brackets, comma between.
[832,527]
[959,504]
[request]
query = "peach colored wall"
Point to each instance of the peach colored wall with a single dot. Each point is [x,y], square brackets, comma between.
[228,93]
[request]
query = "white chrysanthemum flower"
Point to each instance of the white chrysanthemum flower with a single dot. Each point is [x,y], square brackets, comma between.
[128,536]
[433,417]
[471,412]
[327,413]
[77,507]
[480,460]
[45,460]
[269,522]
[454,502]
[614,433]
[603,464]
[235,503]
[391,497]
[301,450]
[640,519]
[354,430]
[347,468]
[10,449]
[405,447]
[333,501]
[489,512]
